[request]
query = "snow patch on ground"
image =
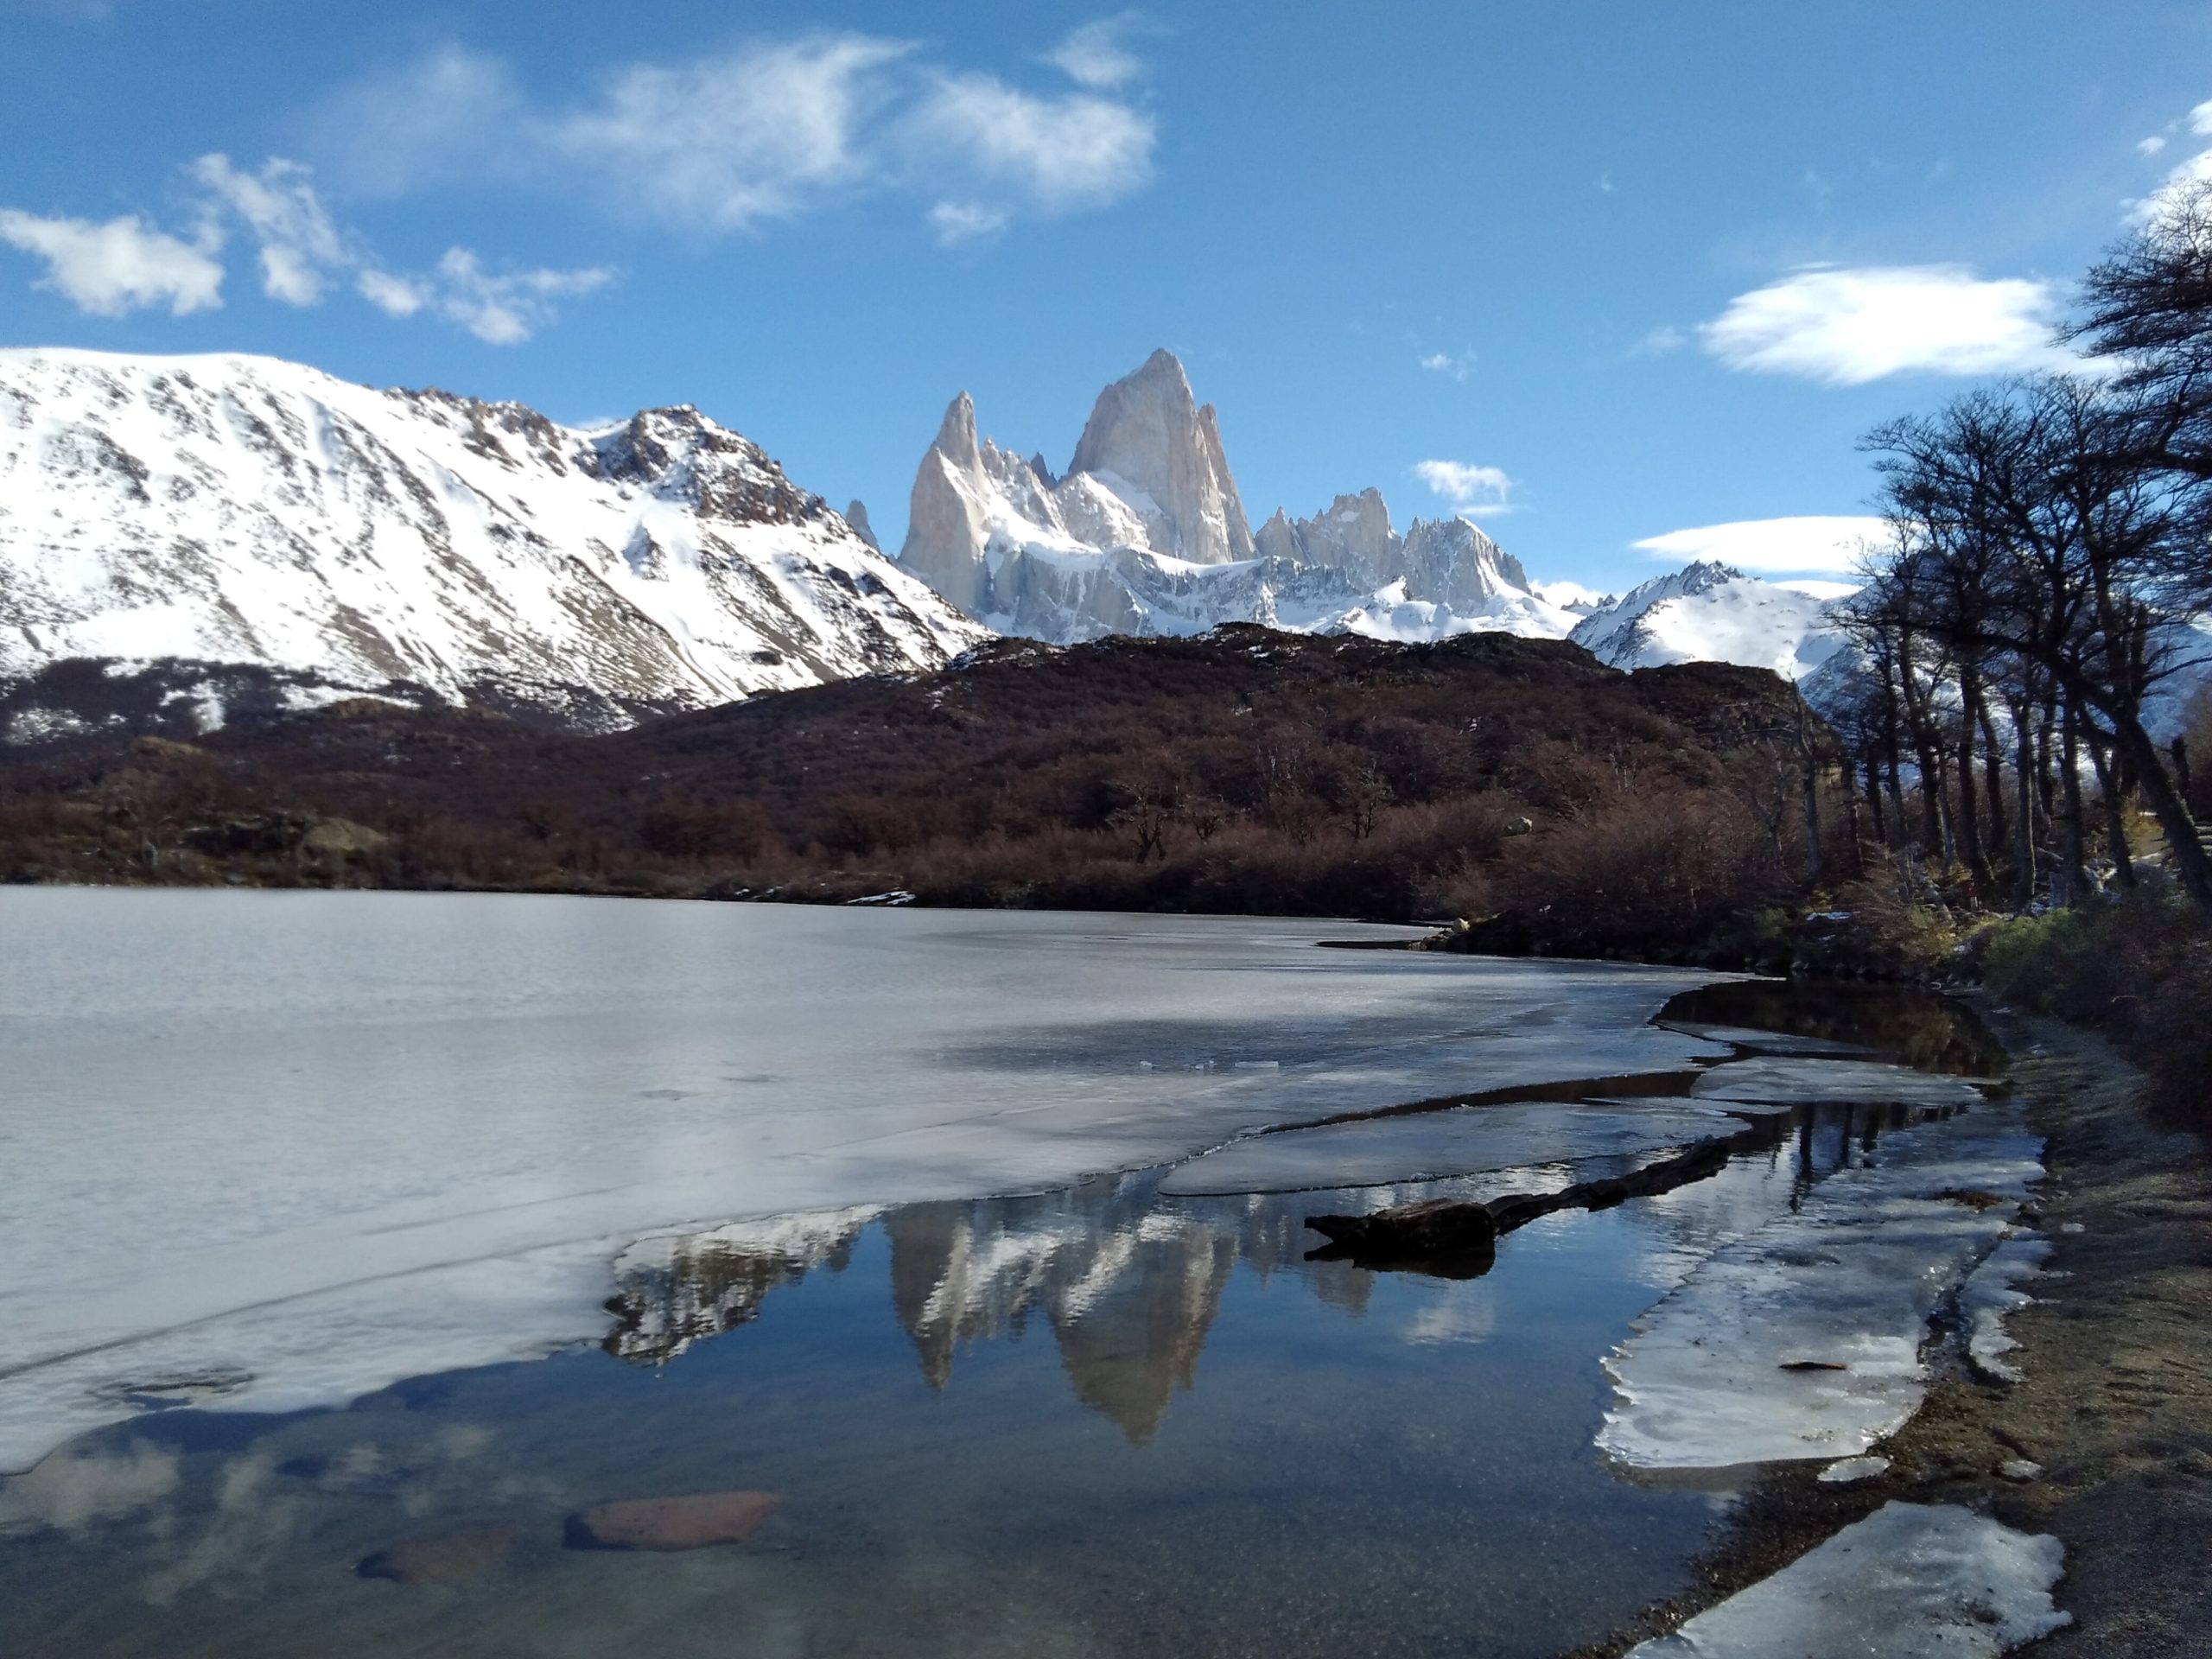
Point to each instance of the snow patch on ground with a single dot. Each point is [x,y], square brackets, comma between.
[1992,1293]
[1911,1582]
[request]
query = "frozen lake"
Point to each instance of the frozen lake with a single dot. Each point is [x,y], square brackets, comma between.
[949,1228]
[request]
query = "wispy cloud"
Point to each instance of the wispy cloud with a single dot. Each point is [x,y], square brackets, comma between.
[1098,55]
[1663,341]
[1844,327]
[1468,486]
[121,265]
[2152,145]
[738,139]
[505,307]
[966,221]
[298,239]
[1456,366]
[1814,544]
[730,141]
[128,265]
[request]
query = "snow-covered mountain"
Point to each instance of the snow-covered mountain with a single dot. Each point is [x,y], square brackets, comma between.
[1146,534]
[1709,612]
[242,510]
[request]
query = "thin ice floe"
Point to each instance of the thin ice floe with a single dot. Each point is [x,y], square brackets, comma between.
[1911,1582]
[1838,1082]
[1467,1141]
[1771,1042]
[1804,1340]
[301,1146]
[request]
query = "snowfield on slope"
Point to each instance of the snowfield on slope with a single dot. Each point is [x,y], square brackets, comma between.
[235,509]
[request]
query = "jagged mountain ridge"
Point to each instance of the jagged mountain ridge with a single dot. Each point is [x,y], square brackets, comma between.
[247,511]
[1146,535]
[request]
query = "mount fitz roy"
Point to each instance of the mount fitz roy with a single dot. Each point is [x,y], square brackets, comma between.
[1146,534]
[242,511]
[236,536]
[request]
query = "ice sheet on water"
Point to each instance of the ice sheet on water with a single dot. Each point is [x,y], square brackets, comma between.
[1734,1367]
[1911,1582]
[1798,1081]
[326,1142]
[1464,1141]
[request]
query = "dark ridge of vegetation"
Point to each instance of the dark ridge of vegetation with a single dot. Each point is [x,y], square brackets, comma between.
[1514,781]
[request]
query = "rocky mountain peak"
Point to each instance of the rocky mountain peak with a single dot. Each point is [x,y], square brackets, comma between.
[956,435]
[1146,432]
[856,521]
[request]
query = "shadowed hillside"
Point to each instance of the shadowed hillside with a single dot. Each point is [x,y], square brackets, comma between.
[1247,770]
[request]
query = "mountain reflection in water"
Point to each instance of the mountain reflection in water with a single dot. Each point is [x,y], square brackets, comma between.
[1224,1446]
[1127,1281]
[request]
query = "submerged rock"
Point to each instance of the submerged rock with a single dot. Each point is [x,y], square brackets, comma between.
[436,1560]
[690,1523]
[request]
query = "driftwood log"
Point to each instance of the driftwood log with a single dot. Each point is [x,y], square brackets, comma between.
[1452,1239]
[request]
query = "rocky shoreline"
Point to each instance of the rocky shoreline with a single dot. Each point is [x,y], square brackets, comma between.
[2106,1441]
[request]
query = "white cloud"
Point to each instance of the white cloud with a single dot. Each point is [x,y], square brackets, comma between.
[1098,54]
[966,221]
[396,296]
[737,140]
[1055,154]
[2200,119]
[731,141]
[1468,487]
[1663,341]
[126,264]
[1814,543]
[123,265]
[503,309]
[1846,327]
[1458,367]
[279,204]
[2152,145]
[2184,179]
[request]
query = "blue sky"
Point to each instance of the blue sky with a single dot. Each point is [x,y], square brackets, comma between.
[1614,272]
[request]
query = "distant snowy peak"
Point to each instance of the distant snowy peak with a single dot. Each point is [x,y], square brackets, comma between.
[1709,612]
[1145,534]
[242,510]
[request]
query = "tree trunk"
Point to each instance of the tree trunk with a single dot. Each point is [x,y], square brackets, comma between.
[2123,867]
[2023,762]
[1993,773]
[2069,779]
[1969,808]
[2185,853]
